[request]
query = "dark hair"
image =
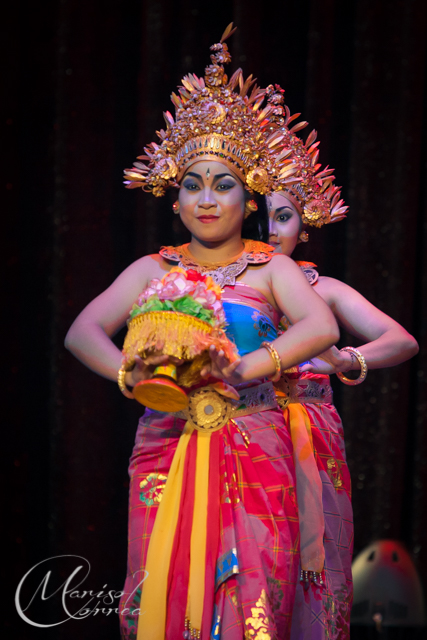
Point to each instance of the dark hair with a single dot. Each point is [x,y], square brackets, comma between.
[255,226]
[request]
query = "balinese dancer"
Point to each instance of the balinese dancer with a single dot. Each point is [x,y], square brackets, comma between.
[213,520]
[324,594]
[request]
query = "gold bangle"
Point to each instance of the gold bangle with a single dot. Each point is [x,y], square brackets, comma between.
[363,368]
[277,361]
[122,385]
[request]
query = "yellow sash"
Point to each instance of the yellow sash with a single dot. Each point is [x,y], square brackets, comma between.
[309,490]
[152,618]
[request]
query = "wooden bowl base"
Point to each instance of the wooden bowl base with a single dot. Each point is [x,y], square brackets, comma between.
[161,394]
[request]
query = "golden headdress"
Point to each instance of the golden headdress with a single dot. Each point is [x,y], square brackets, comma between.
[214,120]
[311,190]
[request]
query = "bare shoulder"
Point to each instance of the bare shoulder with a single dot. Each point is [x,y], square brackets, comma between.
[146,268]
[280,259]
[285,275]
[280,270]
[151,261]
[283,268]
[280,264]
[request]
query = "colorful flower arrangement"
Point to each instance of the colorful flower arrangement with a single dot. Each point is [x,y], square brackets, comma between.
[187,292]
[181,316]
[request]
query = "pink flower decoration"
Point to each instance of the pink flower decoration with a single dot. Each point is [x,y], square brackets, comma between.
[179,283]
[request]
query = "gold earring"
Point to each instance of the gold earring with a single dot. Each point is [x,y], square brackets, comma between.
[303,236]
[176,207]
[250,207]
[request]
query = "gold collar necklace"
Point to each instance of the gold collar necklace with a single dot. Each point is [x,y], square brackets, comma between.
[186,253]
[223,273]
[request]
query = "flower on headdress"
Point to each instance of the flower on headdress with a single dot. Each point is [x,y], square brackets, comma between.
[316,212]
[257,179]
[274,94]
[167,168]
[215,112]
[158,191]
[221,54]
[278,111]
[214,75]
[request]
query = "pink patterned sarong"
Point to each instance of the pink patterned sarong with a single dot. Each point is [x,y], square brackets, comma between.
[252,556]
[323,612]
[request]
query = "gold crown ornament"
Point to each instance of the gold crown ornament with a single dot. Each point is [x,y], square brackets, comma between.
[311,190]
[219,119]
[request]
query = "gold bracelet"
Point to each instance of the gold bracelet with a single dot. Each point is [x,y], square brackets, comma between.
[277,361]
[363,368]
[122,385]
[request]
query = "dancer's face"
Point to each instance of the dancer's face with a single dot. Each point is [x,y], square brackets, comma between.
[212,201]
[284,223]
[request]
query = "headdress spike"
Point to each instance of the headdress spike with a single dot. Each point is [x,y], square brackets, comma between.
[299,126]
[228,32]
[293,117]
[247,85]
[311,138]
[234,79]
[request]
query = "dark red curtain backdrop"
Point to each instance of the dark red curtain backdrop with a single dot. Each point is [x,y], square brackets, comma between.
[85,84]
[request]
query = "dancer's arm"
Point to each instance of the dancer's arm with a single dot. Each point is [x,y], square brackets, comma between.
[386,342]
[89,337]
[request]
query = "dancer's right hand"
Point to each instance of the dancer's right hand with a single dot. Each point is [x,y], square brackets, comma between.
[221,367]
[144,368]
[328,362]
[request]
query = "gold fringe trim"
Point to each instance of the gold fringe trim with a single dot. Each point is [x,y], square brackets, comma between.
[175,334]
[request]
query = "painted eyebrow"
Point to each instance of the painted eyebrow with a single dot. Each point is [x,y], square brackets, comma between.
[216,178]
[281,209]
[195,175]
[219,176]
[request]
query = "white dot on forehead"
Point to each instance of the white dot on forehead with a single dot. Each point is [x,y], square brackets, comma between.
[208,172]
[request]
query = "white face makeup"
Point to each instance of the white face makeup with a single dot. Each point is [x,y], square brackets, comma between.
[284,223]
[212,201]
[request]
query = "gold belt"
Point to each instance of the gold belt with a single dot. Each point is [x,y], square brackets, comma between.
[208,410]
[306,391]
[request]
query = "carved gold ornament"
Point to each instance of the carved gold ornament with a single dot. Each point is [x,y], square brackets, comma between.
[207,410]
[257,179]
[316,212]
[214,112]
[167,168]
[226,120]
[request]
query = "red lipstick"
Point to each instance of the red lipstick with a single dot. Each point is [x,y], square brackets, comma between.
[206,219]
